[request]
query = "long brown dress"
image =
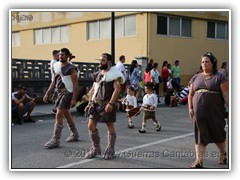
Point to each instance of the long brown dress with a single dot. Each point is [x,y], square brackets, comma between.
[208,109]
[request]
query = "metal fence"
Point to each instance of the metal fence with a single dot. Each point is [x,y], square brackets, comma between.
[36,75]
[39,70]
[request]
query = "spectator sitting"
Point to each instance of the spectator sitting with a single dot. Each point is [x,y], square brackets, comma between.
[171,98]
[183,97]
[22,104]
[82,100]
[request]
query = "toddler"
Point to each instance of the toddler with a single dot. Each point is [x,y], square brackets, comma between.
[149,106]
[131,106]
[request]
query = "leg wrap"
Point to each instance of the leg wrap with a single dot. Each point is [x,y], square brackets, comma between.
[95,149]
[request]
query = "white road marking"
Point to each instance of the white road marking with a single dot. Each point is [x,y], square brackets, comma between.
[129,149]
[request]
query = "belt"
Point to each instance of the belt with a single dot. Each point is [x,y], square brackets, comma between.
[60,90]
[207,91]
[101,102]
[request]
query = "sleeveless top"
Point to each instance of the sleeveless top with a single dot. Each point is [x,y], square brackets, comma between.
[105,90]
[66,72]
[147,77]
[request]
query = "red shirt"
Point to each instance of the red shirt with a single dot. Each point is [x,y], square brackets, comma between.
[165,73]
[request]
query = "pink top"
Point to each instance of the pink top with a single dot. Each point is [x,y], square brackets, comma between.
[147,77]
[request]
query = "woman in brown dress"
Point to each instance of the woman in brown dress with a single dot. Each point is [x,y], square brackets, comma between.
[207,97]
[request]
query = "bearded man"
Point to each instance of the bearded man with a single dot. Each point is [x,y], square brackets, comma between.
[101,107]
[66,83]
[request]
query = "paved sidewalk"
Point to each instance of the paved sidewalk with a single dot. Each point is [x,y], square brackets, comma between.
[45,111]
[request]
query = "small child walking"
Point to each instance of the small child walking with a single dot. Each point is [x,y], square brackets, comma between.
[149,106]
[131,106]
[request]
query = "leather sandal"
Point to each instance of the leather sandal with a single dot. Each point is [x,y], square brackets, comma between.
[223,158]
[197,164]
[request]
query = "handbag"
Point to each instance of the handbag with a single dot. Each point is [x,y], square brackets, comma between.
[92,109]
[169,84]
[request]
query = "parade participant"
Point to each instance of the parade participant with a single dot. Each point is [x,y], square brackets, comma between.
[207,96]
[149,107]
[131,106]
[101,107]
[66,83]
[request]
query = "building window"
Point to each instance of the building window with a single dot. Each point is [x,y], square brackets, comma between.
[217,30]
[162,25]
[16,39]
[174,26]
[186,27]
[93,30]
[55,34]
[105,29]
[119,27]
[124,26]
[99,30]
[51,35]
[64,34]
[129,25]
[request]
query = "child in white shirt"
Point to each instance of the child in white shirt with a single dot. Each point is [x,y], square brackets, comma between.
[131,106]
[149,106]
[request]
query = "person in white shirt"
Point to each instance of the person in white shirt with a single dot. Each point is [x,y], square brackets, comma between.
[131,106]
[149,106]
[53,61]
[121,67]
[155,79]
[55,54]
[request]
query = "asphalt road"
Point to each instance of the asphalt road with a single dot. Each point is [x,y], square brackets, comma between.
[171,148]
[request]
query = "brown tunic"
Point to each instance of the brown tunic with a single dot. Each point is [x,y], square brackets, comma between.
[208,109]
[64,98]
[104,93]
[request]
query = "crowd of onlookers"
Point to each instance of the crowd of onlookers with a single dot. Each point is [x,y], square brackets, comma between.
[168,76]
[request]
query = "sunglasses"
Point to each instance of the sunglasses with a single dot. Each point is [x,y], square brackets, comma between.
[208,54]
